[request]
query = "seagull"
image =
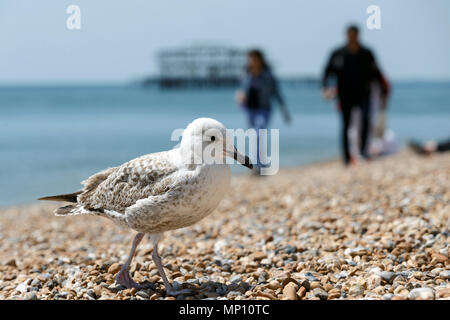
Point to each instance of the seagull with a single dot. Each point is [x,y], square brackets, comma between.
[161,191]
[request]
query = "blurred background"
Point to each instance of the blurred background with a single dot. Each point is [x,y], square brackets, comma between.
[73,102]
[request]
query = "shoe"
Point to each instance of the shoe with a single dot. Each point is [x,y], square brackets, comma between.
[256,171]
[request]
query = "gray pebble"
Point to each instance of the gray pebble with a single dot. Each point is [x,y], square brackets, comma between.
[233,294]
[262,278]
[399,278]
[387,296]
[31,296]
[193,281]
[91,294]
[310,277]
[36,283]
[290,249]
[387,276]
[423,293]
[356,290]
[143,294]
[61,295]
[320,293]
[444,274]
[341,275]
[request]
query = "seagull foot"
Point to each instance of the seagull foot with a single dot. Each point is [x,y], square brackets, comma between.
[172,292]
[124,278]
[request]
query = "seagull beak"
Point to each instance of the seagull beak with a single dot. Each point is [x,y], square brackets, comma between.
[244,160]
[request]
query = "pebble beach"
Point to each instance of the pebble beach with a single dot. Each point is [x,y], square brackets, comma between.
[318,232]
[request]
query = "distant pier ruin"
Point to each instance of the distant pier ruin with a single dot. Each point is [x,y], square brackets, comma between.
[201,66]
[207,66]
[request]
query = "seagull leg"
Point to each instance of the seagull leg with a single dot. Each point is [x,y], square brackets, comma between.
[169,289]
[123,277]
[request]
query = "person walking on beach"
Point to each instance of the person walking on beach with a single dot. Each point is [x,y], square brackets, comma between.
[258,87]
[355,69]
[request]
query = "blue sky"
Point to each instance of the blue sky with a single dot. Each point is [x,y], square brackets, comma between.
[118,39]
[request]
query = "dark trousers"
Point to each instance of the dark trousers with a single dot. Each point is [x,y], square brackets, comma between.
[258,119]
[347,108]
[443,146]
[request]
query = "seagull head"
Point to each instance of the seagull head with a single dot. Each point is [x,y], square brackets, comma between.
[205,140]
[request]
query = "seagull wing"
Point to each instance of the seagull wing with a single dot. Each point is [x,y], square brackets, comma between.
[121,187]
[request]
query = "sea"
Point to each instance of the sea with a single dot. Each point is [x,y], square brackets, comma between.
[53,137]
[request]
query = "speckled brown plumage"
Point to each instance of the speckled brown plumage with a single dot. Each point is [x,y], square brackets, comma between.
[120,187]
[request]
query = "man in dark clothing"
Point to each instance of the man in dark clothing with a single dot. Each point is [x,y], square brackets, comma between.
[355,69]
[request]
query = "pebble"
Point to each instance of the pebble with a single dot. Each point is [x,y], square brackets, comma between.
[233,294]
[143,294]
[387,276]
[334,295]
[387,296]
[11,263]
[301,292]
[259,255]
[373,281]
[314,285]
[443,293]
[320,293]
[290,249]
[91,294]
[36,283]
[262,277]
[341,275]
[440,258]
[98,291]
[114,268]
[356,290]
[422,293]
[290,291]
[23,287]
[31,296]
[306,285]
[310,277]
[358,251]
[273,285]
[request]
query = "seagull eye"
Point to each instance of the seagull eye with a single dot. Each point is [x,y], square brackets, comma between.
[213,138]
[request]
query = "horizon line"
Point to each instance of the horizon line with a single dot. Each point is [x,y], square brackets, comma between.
[137,82]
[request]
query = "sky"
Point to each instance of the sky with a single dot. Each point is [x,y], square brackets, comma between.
[118,39]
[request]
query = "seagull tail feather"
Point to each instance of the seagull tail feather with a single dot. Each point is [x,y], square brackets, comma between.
[74,209]
[70,197]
